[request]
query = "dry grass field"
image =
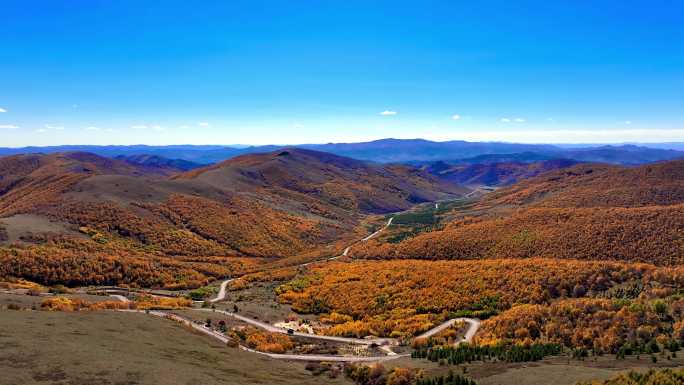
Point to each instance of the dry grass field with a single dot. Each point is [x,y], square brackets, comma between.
[107,348]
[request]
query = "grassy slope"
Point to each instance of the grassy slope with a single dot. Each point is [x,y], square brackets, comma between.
[114,348]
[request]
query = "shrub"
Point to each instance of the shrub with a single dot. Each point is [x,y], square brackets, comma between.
[268,342]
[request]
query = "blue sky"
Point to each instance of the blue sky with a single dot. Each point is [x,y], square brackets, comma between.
[222,72]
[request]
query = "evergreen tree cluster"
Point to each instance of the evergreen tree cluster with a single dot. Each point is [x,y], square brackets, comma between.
[650,347]
[450,379]
[462,353]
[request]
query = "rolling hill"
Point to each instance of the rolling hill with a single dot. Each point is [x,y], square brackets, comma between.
[132,223]
[592,212]
[306,175]
[494,174]
[159,161]
[592,185]
[29,181]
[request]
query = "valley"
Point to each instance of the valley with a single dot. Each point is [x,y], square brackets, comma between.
[341,193]
[303,257]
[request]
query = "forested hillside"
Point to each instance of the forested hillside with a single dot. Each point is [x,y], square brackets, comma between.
[591,185]
[591,212]
[101,214]
[408,297]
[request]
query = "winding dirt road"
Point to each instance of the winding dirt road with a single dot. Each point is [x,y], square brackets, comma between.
[346,250]
[307,357]
[274,329]
[383,343]
[472,329]
[389,223]
[120,298]
[291,357]
[222,291]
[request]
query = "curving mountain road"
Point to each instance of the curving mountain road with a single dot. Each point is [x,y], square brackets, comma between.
[316,357]
[389,223]
[348,248]
[292,357]
[222,291]
[274,329]
[304,357]
[384,343]
[120,298]
[468,337]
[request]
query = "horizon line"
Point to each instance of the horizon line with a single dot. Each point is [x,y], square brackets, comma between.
[240,145]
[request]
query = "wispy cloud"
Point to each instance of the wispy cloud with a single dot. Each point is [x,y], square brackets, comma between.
[92,128]
[41,130]
[298,125]
[3,110]
[184,126]
[139,127]
[203,124]
[456,117]
[158,128]
[388,113]
[628,122]
[512,120]
[51,127]
[8,126]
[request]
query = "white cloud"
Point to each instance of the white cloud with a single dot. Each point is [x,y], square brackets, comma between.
[111,130]
[505,120]
[158,128]
[519,120]
[41,130]
[51,127]
[203,124]
[628,122]
[388,113]
[92,128]
[8,126]
[298,125]
[184,126]
[456,117]
[3,110]
[139,127]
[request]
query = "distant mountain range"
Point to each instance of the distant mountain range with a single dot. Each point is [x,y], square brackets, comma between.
[494,173]
[159,162]
[396,151]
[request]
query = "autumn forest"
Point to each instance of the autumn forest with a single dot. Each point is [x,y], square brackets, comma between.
[586,258]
